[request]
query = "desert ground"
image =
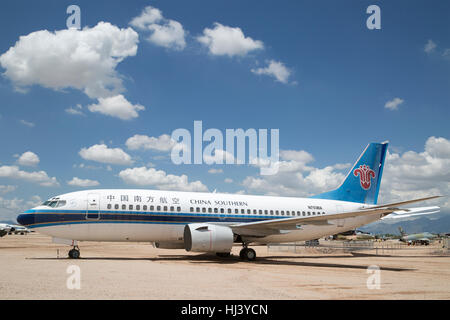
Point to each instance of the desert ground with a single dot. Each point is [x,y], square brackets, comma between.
[32,267]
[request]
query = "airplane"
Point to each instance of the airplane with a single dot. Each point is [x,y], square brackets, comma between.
[417,238]
[214,222]
[353,235]
[4,229]
[12,228]
[19,230]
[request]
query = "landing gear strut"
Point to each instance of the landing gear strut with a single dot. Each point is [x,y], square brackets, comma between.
[247,254]
[74,253]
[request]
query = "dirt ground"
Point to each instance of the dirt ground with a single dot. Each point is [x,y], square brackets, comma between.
[31,267]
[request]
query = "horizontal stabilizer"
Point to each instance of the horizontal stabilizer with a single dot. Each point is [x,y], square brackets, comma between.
[407,213]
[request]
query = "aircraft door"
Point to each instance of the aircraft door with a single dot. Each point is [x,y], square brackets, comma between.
[93,206]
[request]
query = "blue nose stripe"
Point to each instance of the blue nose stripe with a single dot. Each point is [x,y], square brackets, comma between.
[26,219]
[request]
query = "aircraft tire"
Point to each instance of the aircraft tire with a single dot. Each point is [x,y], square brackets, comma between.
[250,254]
[74,254]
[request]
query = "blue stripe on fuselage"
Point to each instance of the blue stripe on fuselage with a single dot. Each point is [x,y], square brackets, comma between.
[41,218]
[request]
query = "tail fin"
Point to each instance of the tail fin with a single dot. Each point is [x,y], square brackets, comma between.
[401,231]
[362,183]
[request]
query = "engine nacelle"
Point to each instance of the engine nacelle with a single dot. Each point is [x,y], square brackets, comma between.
[204,237]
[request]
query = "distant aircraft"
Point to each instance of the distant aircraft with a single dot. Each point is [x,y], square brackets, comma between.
[417,238]
[19,229]
[4,229]
[11,228]
[354,235]
[214,222]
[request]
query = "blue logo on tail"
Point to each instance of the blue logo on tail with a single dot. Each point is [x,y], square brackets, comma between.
[362,183]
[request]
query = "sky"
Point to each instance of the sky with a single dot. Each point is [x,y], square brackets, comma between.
[95,107]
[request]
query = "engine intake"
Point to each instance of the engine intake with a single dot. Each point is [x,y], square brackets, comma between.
[204,237]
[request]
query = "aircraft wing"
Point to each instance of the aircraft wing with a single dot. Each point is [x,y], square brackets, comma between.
[276,226]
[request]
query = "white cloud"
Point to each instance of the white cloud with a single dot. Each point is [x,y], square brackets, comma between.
[406,176]
[75,111]
[275,69]
[228,180]
[82,182]
[101,153]
[170,35]
[27,123]
[295,177]
[40,177]
[430,46]
[9,208]
[162,143]
[82,59]
[215,171]
[28,159]
[148,16]
[393,104]
[164,32]
[219,157]
[159,179]
[413,175]
[224,40]
[7,189]
[117,106]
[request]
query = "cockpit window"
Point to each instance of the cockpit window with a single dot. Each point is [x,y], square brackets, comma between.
[54,203]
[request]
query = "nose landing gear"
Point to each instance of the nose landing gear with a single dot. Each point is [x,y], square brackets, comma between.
[74,253]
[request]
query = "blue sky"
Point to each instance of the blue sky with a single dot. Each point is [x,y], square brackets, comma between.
[332,103]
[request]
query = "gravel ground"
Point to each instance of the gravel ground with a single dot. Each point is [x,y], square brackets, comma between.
[30,268]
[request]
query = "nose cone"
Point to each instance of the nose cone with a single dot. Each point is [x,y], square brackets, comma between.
[25,219]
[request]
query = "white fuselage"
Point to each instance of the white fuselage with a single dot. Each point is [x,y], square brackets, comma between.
[160,216]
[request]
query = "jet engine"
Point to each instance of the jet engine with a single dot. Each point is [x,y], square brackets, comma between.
[204,237]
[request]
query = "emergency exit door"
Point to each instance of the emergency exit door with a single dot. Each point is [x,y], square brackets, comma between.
[93,206]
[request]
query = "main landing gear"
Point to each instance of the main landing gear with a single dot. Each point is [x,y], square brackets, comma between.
[74,253]
[247,254]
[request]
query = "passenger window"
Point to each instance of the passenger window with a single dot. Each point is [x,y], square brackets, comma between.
[116,206]
[266,212]
[178,209]
[109,206]
[138,207]
[277,212]
[249,211]
[144,208]
[303,213]
[309,213]
[158,208]
[152,208]
[236,210]
[124,207]
[271,212]
[229,210]
[216,210]
[282,212]
[203,210]
[197,209]
[222,210]
[165,208]
[210,210]
[172,208]
[192,209]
